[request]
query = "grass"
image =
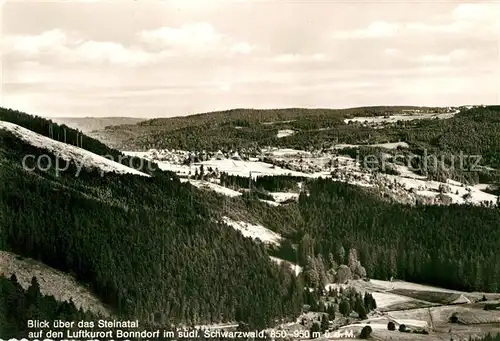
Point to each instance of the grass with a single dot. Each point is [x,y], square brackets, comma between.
[429,296]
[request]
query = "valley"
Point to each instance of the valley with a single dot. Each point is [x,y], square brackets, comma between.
[193,170]
[317,219]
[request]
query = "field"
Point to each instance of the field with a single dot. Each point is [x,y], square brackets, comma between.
[421,307]
[433,296]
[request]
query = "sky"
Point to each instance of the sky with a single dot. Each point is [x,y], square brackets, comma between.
[160,58]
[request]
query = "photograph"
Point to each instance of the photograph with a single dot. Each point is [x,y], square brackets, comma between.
[181,170]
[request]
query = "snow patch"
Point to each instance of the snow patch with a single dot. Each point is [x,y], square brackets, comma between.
[68,152]
[289,152]
[461,300]
[254,231]
[176,168]
[285,133]
[388,285]
[214,187]
[410,323]
[245,168]
[269,202]
[52,282]
[295,267]
[396,118]
[280,197]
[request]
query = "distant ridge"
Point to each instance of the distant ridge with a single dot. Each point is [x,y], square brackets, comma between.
[88,124]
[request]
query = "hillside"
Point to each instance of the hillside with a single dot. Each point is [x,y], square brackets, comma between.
[52,282]
[240,128]
[469,131]
[22,301]
[226,245]
[72,137]
[130,240]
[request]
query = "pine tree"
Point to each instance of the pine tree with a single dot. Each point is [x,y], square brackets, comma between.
[306,249]
[324,323]
[365,332]
[360,309]
[33,293]
[345,308]
[340,254]
[352,260]
[315,328]
[331,312]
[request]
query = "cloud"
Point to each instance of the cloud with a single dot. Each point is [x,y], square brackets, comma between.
[477,19]
[243,48]
[392,51]
[193,38]
[290,58]
[454,56]
[196,41]
[58,46]
[109,52]
[377,29]
[33,46]
[171,57]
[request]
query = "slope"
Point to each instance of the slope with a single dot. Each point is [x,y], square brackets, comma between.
[72,137]
[149,247]
[68,152]
[52,282]
[238,127]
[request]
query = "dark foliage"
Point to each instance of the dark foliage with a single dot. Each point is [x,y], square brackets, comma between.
[365,332]
[449,246]
[489,337]
[17,306]
[256,128]
[149,247]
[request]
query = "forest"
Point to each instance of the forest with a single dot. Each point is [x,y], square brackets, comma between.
[156,249]
[472,132]
[17,306]
[149,247]
[239,128]
[450,246]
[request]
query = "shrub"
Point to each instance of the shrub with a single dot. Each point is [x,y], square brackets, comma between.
[454,318]
[365,332]
[491,306]
[391,326]
[402,328]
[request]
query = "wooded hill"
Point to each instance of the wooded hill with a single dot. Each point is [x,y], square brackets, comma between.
[453,246]
[471,132]
[239,128]
[155,249]
[149,247]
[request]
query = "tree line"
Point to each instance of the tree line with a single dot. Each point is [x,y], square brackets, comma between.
[151,248]
[450,246]
[17,306]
